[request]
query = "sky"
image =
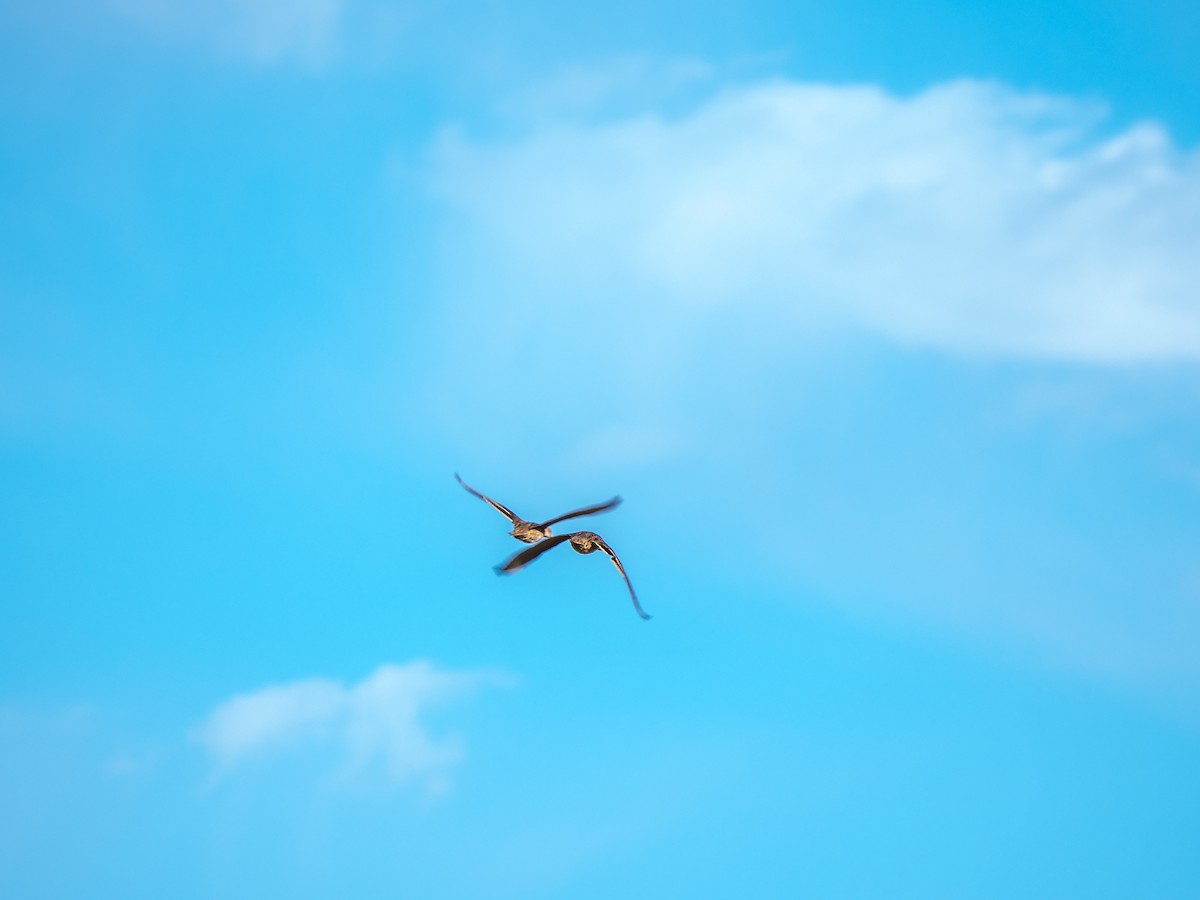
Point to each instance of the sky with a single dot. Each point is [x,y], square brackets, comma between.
[883,320]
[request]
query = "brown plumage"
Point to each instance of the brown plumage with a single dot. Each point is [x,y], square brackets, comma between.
[531,532]
[581,542]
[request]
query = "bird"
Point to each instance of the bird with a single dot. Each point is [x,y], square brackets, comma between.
[531,532]
[581,542]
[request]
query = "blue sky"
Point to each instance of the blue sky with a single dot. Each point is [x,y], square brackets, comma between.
[884,321]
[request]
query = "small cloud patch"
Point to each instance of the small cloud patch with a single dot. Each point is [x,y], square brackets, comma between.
[374,726]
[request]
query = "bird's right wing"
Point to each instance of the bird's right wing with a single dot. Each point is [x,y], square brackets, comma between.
[620,568]
[586,511]
[530,553]
[503,510]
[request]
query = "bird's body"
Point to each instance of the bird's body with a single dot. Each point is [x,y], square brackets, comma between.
[532,532]
[581,542]
[528,532]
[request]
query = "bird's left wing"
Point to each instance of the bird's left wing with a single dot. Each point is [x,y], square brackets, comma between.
[530,553]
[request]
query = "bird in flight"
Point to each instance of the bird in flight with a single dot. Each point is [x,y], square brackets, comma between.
[581,542]
[531,532]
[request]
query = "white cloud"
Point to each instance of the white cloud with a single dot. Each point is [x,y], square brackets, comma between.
[263,32]
[970,217]
[752,276]
[273,715]
[375,722]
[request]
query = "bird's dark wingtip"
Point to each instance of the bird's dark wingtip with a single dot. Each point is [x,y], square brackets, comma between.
[499,570]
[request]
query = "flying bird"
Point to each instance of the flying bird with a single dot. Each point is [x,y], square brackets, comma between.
[531,532]
[581,542]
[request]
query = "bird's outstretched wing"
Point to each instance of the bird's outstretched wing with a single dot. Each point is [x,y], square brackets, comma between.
[530,553]
[586,511]
[503,510]
[620,568]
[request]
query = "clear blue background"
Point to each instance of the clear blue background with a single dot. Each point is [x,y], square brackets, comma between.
[915,634]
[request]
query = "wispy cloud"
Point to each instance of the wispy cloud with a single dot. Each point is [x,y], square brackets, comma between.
[376,723]
[262,32]
[971,217]
[624,445]
[628,82]
[753,275]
